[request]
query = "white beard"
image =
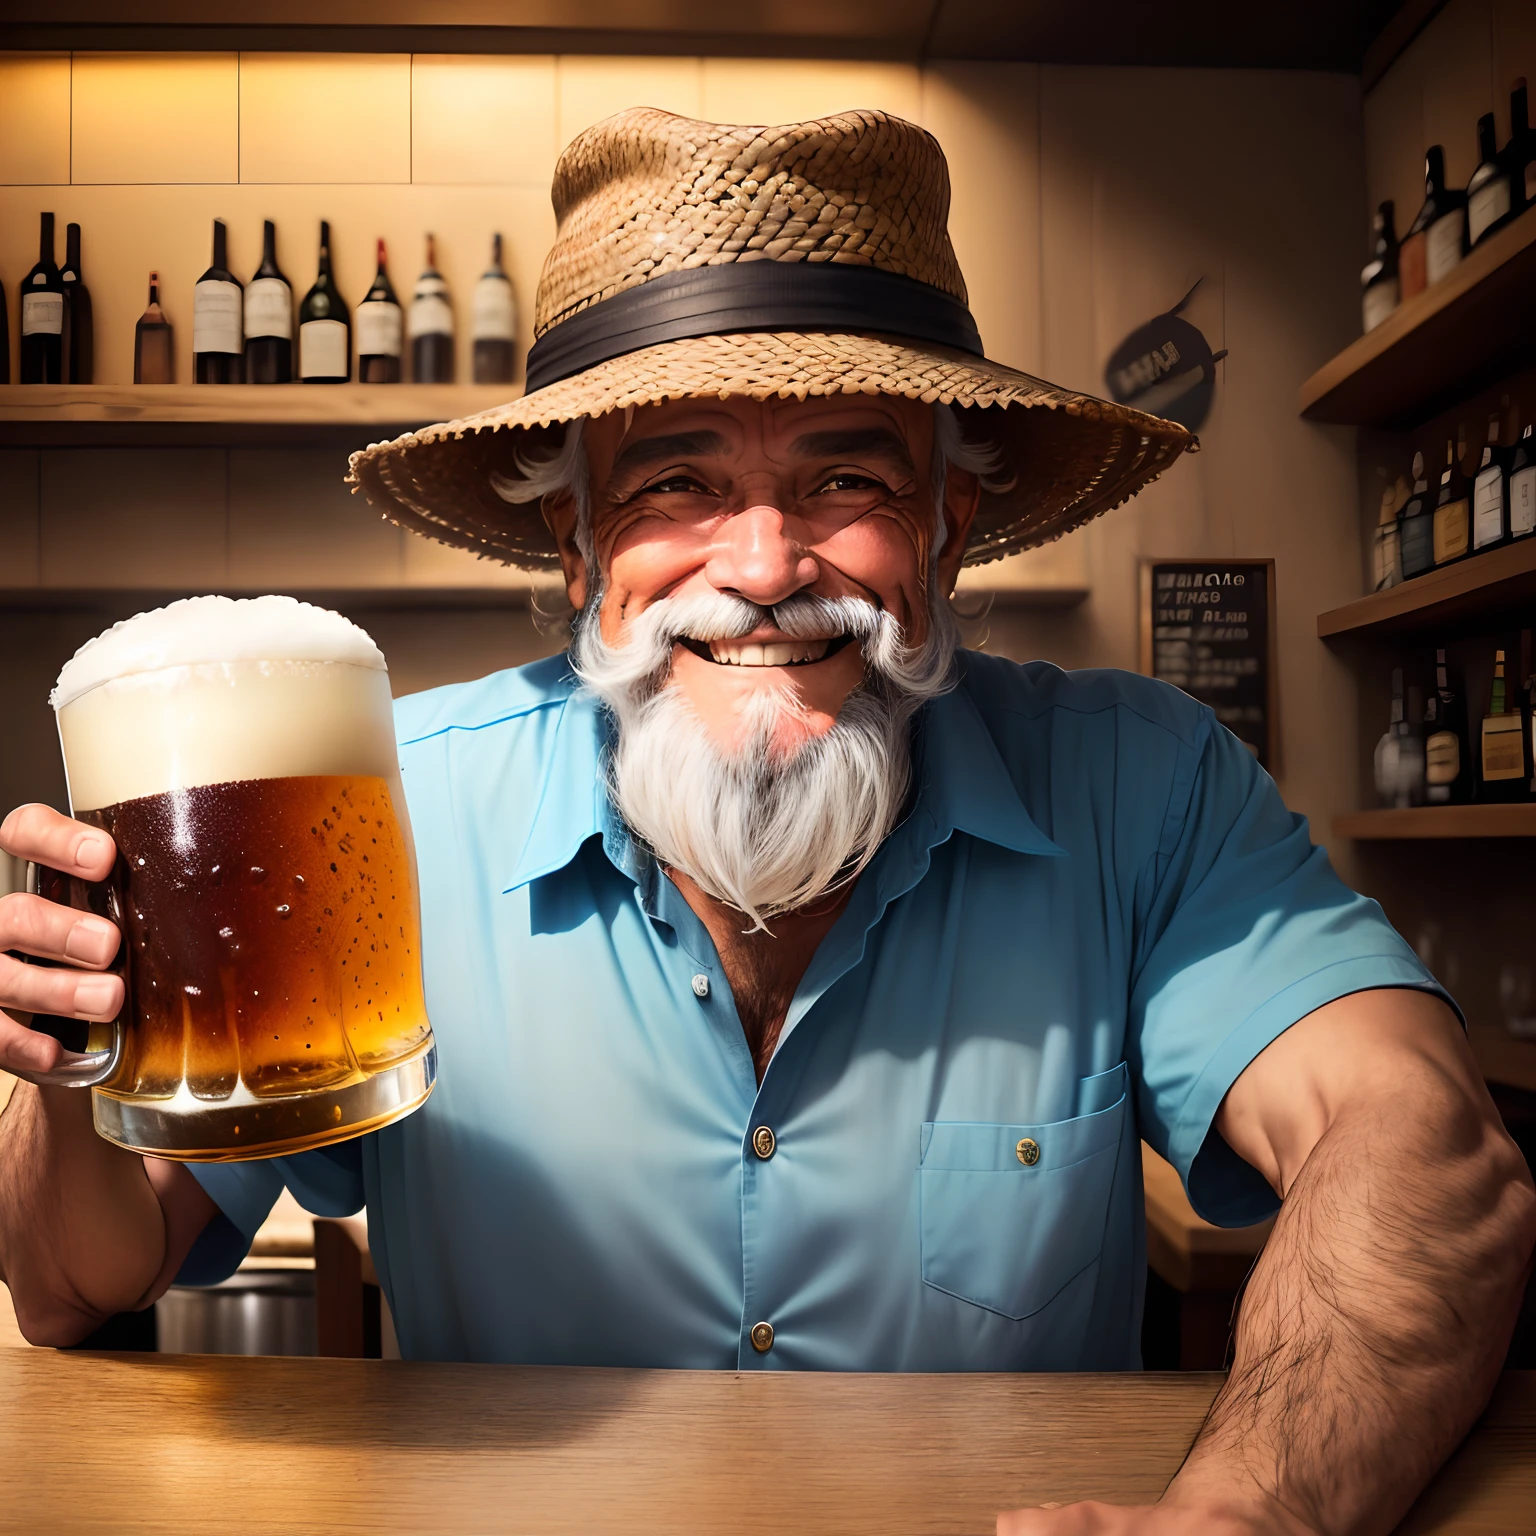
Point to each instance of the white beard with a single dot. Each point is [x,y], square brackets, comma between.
[762,831]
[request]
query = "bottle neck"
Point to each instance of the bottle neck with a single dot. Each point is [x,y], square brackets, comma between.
[45,240]
[72,249]
[220,246]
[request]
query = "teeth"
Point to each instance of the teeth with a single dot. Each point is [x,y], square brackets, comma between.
[773,653]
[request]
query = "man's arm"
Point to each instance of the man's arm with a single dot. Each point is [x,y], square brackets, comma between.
[86,1228]
[1376,1321]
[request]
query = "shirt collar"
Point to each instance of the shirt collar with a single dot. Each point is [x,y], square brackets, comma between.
[963,785]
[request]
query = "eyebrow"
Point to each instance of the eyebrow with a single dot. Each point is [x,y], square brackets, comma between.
[646,451]
[860,440]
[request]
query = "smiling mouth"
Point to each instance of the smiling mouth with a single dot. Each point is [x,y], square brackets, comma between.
[765,653]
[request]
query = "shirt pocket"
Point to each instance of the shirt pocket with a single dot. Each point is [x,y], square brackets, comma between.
[1010,1214]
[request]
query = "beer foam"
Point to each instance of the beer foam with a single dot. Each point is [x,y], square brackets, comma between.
[203,630]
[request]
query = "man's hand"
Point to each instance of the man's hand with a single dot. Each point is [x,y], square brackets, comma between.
[1376,1321]
[86,1228]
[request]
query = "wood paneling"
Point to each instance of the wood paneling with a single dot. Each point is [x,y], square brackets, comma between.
[1438,822]
[325,117]
[478,120]
[154,118]
[34,118]
[590,89]
[774,91]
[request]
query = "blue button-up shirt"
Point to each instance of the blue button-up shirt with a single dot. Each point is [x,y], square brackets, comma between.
[1095,914]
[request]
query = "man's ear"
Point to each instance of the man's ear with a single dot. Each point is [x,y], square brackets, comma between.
[962,496]
[559,511]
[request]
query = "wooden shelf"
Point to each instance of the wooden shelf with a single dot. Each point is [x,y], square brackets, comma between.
[1502,1057]
[58,414]
[1439,346]
[1440,821]
[1473,589]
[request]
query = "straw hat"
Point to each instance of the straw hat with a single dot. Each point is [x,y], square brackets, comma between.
[698,259]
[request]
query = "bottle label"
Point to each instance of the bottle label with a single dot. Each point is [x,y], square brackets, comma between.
[1503,747]
[378,328]
[323,350]
[1418,547]
[1488,508]
[269,308]
[42,314]
[1410,265]
[1487,206]
[1450,531]
[1522,502]
[430,316]
[492,316]
[1442,245]
[1442,758]
[1379,301]
[216,317]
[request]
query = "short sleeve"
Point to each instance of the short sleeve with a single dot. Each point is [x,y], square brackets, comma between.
[328,1182]
[1248,929]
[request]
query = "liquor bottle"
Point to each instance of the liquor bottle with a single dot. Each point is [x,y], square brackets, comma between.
[218,304]
[154,347]
[1490,506]
[1447,763]
[79,337]
[1400,752]
[493,322]
[1489,203]
[1416,526]
[268,318]
[1453,522]
[1521,149]
[379,327]
[431,325]
[1502,773]
[1522,488]
[1378,278]
[325,328]
[1387,553]
[42,315]
[1437,238]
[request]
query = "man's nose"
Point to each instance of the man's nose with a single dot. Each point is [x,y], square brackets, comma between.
[755,556]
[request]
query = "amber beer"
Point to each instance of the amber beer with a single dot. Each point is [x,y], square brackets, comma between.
[241,754]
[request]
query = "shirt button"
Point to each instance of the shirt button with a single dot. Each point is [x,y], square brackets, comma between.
[701,985]
[762,1337]
[763,1142]
[1028,1151]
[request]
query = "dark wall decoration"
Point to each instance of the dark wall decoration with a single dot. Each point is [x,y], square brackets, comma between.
[1166,368]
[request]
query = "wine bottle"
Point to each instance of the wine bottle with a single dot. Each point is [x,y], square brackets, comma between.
[218,303]
[1437,238]
[1416,526]
[1522,148]
[42,315]
[1378,279]
[1387,550]
[1399,759]
[79,337]
[325,328]
[431,325]
[268,318]
[379,331]
[1501,761]
[1447,763]
[494,322]
[1489,204]
[1490,506]
[1453,523]
[1522,487]
[154,346]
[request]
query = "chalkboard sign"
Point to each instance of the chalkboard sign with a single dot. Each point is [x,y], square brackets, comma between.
[1208,627]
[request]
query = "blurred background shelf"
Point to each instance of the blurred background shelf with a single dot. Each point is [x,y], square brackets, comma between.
[1469,591]
[48,415]
[1502,1057]
[1438,821]
[1440,346]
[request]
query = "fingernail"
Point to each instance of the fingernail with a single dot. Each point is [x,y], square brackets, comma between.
[96,995]
[90,848]
[92,939]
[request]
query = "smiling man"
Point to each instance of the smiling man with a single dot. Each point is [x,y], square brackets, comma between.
[803,984]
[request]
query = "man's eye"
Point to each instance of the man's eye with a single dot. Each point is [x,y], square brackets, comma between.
[678,485]
[848,480]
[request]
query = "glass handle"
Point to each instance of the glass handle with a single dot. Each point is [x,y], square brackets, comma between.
[87,1058]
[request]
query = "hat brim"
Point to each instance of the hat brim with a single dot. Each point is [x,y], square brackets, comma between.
[1070,456]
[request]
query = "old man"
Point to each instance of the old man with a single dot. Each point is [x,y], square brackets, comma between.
[803,984]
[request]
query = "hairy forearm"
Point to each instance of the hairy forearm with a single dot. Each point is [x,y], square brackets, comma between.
[1375,1323]
[82,1234]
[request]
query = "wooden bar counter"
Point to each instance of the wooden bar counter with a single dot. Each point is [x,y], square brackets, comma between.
[269,1447]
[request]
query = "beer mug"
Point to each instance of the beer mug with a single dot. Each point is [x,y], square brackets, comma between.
[242,756]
